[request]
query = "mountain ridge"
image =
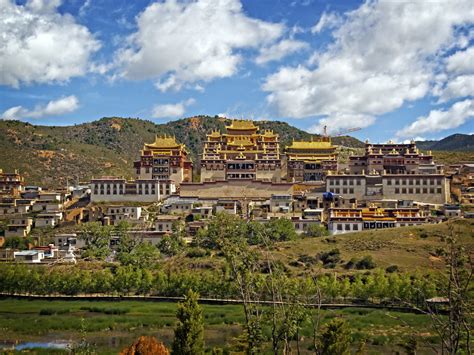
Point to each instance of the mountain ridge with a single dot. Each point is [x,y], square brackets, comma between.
[454,142]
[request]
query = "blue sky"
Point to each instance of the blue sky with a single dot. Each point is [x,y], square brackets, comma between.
[398,70]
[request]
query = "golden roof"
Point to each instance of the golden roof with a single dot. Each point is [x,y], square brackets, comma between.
[242,125]
[215,134]
[164,142]
[311,145]
[241,141]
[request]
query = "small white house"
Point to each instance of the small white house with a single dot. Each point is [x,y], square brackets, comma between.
[281,203]
[164,223]
[19,227]
[65,241]
[29,256]
[48,219]
[131,214]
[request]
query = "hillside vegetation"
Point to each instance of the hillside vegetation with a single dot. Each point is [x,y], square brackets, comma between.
[50,155]
[455,142]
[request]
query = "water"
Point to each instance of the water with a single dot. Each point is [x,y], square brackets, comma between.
[51,345]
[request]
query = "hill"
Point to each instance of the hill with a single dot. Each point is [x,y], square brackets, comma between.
[455,142]
[51,155]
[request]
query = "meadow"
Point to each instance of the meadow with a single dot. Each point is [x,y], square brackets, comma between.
[110,326]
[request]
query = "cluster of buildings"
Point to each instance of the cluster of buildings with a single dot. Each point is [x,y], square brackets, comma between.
[245,171]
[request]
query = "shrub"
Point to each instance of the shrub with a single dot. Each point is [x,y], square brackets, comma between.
[331,257]
[197,253]
[366,263]
[392,268]
[351,264]
[46,312]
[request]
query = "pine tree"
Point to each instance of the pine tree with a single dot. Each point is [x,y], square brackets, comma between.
[188,335]
[336,338]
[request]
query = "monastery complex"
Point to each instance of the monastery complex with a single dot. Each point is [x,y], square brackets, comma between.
[246,171]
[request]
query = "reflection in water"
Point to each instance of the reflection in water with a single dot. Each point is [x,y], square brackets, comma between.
[32,345]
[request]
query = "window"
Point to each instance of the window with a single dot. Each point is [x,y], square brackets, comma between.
[404,191]
[397,190]
[410,190]
[389,182]
[339,227]
[438,190]
[347,227]
[425,190]
[355,227]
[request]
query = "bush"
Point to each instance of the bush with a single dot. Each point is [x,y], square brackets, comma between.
[351,264]
[330,258]
[46,312]
[315,230]
[391,269]
[366,263]
[115,311]
[197,253]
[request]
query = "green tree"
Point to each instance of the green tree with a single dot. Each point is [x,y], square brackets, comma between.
[97,240]
[336,338]
[170,245]
[189,332]
[316,230]
[281,229]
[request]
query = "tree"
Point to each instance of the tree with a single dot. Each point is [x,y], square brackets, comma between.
[455,328]
[97,240]
[316,230]
[188,335]
[336,338]
[281,229]
[170,245]
[144,255]
[146,345]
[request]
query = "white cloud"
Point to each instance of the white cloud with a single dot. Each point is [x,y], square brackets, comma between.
[461,62]
[439,120]
[53,108]
[172,110]
[192,41]
[40,45]
[327,21]
[280,50]
[383,55]
[460,86]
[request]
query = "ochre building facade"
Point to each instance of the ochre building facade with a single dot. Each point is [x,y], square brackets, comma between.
[242,153]
[310,160]
[164,160]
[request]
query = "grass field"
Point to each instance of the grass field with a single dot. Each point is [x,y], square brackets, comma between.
[43,321]
[409,248]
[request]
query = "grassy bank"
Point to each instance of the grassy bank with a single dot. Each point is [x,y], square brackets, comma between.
[110,326]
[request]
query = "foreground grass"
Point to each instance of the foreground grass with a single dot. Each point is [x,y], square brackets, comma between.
[22,320]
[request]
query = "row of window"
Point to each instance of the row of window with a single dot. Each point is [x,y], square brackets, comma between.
[418,190]
[344,182]
[416,181]
[240,176]
[342,191]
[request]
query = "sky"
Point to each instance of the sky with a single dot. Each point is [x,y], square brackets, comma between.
[395,69]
